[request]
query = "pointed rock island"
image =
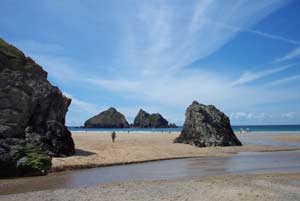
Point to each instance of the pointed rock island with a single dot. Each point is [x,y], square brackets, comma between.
[110,118]
[206,126]
[32,116]
[146,120]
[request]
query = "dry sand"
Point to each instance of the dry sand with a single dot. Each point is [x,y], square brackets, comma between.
[262,187]
[96,149]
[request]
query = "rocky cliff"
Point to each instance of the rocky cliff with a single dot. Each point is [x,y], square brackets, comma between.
[110,118]
[206,126]
[146,120]
[32,114]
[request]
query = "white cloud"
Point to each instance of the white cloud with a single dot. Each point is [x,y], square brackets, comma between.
[275,37]
[283,81]
[262,116]
[290,114]
[79,105]
[168,40]
[238,115]
[249,76]
[115,85]
[248,115]
[155,44]
[291,55]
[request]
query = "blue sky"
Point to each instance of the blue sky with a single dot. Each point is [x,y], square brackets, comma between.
[241,55]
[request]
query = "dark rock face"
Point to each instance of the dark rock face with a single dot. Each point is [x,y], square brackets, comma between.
[206,126]
[32,111]
[173,125]
[110,118]
[146,120]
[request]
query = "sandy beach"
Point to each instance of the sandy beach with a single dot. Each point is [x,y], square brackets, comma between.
[96,149]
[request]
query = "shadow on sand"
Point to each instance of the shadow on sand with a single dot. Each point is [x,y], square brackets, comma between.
[80,152]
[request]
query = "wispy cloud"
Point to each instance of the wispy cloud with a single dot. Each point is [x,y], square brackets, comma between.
[283,81]
[80,105]
[35,47]
[291,55]
[272,36]
[252,31]
[262,115]
[114,85]
[250,76]
[249,115]
[169,40]
[154,43]
[290,114]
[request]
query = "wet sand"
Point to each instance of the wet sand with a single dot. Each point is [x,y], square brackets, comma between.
[96,149]
[264,187]
[241,163]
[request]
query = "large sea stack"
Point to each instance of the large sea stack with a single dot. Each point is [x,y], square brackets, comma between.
[146,120]
[32,116]
[110,118]
[206,126]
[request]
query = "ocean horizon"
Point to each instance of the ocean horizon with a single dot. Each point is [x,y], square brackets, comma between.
[236,128]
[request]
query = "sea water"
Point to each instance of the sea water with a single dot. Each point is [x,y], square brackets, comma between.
[252,128]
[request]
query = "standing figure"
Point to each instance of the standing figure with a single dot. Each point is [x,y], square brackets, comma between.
[113,136]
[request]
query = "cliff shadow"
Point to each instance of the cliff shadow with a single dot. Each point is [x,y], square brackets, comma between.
[80,152]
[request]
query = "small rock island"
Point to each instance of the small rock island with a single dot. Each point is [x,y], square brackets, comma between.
[110,118]
[206,126]
[146,120]
[32,116]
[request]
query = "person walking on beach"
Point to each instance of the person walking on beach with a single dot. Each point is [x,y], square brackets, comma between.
[113,136]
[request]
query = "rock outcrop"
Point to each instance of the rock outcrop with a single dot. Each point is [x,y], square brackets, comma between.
[32,115]
[110,118]
[206,126]
[146,120]
[173,125]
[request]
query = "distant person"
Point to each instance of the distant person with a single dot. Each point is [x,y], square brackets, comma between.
[113,136]
[248,130]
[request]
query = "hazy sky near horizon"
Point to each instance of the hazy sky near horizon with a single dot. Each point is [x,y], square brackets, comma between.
[241,55]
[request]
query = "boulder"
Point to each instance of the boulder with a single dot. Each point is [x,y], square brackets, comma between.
[206,126]
[146,120]
[110,118]
[32,112]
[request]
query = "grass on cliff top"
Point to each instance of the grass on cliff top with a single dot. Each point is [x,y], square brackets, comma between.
[9,50]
